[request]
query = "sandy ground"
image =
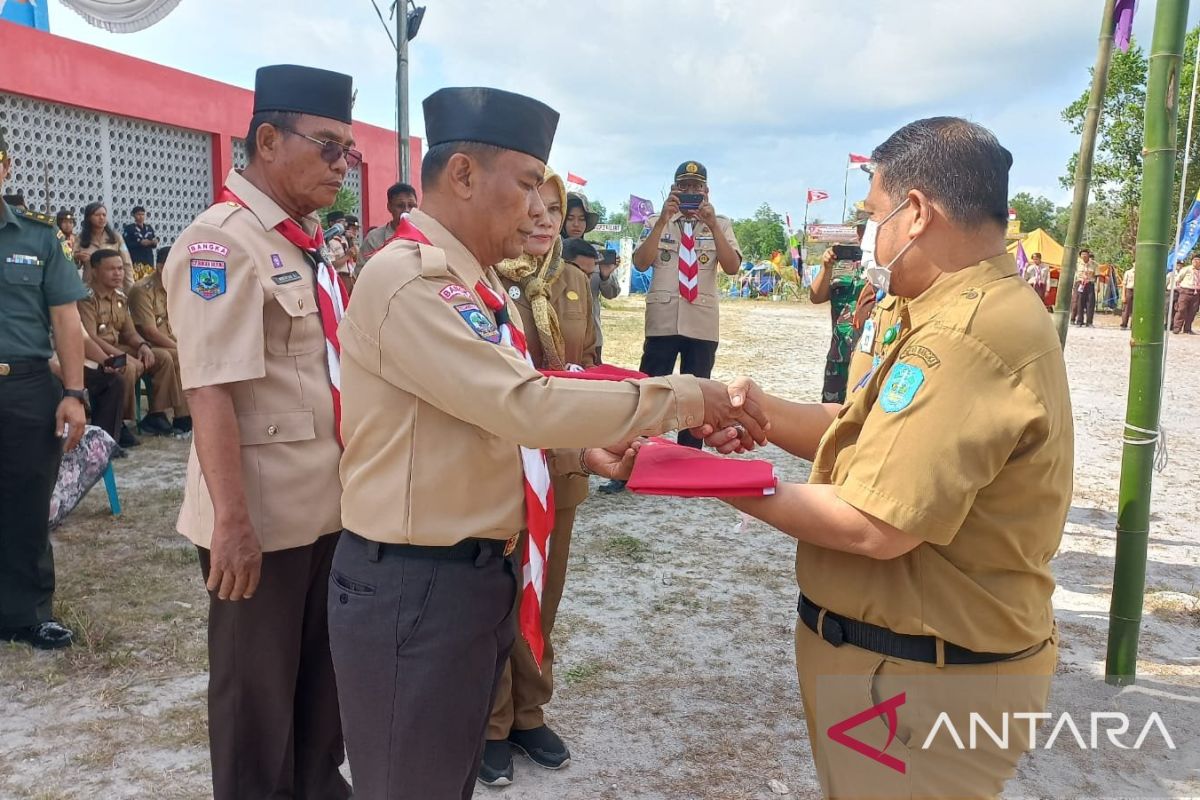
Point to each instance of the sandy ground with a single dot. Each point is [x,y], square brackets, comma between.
[676,674]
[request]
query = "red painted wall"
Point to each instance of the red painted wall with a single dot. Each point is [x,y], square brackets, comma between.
[47,67]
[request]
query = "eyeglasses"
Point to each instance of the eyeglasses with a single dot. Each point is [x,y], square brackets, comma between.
[331,151]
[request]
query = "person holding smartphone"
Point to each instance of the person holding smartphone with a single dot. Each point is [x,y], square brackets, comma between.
[839,282]
[685,244]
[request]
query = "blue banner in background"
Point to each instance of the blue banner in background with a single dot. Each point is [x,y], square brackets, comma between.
[1189,234]
[31,13]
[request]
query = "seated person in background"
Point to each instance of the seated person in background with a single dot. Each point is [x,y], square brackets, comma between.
[148,307]
[106,318]
[106,393]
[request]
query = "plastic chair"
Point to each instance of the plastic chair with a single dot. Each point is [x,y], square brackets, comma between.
[143,384]
[110,486]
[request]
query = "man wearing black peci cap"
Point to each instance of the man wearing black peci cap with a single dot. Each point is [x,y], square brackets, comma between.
[445,418]
[254,302]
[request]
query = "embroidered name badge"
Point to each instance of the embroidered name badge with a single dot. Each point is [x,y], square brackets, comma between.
[208,247]
[867,340]
[901,387]
[276,261]
[478,321]
[452,291]
[923,353]
[287,277]
[208,278]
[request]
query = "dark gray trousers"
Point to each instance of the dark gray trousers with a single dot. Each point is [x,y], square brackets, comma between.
[418,645]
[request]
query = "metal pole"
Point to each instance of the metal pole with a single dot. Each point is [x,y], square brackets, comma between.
[845,189]
[1145,360]
[1083,174]
[402,161]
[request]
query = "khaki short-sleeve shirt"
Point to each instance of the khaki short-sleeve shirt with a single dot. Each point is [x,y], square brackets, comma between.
[105,316]
[243,306]
[667,313]
[148,304]
[963,438]
[435,405]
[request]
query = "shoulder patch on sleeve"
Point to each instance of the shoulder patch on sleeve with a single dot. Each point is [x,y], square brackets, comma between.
[479,322]
[900,387]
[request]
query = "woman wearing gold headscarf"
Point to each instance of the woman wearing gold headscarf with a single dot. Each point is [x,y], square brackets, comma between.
[554,298]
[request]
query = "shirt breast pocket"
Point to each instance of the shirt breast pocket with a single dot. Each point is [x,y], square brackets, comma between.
[294,328]
[23,275]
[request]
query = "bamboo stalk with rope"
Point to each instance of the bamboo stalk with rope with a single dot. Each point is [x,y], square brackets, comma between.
[1146,351]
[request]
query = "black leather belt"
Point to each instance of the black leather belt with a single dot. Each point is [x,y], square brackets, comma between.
[839,630]
[23,366]
[466,550]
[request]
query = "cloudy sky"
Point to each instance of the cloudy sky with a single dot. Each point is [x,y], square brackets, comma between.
[770,95]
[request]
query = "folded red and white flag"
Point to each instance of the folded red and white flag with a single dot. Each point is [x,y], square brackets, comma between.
[602,372]
[666,468]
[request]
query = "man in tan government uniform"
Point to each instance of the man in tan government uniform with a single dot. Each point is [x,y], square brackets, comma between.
[106,318]
[148,307]
[938,494]
[262,500]
[680,326]
[437,406]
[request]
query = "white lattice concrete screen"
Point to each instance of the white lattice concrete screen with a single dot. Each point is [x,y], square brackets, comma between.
[67,157]
[353,178]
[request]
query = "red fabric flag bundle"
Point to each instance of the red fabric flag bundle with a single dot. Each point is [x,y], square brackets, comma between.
[666,468]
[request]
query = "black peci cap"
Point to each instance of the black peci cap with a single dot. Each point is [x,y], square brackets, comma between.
[490,116]
[304,90]
[692,169]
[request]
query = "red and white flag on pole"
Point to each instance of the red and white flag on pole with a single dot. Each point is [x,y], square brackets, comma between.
[816,195]
[575,180]
[856,159]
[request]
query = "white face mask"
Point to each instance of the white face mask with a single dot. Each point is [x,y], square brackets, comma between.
[880,276]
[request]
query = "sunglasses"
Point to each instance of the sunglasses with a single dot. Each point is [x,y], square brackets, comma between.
[331,151]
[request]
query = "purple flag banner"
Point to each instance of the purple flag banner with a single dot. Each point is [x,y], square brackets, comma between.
[1123,23]
[1022,261]
[639,208]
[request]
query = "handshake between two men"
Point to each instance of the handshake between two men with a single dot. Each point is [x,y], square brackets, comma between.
[735,420]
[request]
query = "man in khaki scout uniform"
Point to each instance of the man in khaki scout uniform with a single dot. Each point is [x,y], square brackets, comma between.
[438,403]
[682,312]
[938,493]
[553,296]
[106,318]
[148,307]
[262,496]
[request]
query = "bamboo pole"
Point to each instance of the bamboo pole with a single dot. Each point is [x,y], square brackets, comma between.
[1083,174]
[1145,361]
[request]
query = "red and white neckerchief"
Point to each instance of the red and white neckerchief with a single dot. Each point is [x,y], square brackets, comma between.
[539,493]
[689,263]
[332,299]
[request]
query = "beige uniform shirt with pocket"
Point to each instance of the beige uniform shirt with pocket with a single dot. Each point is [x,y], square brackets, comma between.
[963,437]
[105,315]
[435,406]
[148,304]
[667,313]
[243,306]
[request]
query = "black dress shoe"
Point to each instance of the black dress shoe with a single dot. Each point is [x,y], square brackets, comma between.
[50,635]
[119,452]
[543,747]
[496,768]
[156,424]
[126,438]
[182,424]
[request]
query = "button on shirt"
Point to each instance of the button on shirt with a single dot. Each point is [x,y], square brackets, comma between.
[963,438]
[36,277]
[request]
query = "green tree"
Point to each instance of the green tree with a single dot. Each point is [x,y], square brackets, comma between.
[1034,212]
[599,208]
[346,201]
[1117,171]
[762,235]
